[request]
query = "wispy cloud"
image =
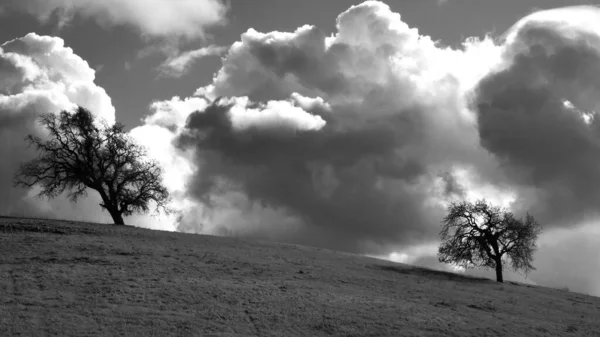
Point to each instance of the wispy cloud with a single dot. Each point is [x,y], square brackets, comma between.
[152,18]
[98,68]
[177,65]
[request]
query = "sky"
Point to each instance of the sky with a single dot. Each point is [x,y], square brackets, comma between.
[343,124]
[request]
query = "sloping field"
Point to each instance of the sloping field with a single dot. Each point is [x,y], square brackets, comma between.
[77,279]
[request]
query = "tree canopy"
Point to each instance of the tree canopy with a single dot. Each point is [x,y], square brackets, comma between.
[479,234]
[83,153]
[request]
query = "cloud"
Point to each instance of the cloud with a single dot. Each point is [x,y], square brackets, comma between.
[41,74]
[152,18]
[340,138]
[98,68]
[177,65]
[536,114]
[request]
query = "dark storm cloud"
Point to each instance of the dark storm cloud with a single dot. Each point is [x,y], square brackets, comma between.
[370,175]
[350,179]
[451,186]
[536,117]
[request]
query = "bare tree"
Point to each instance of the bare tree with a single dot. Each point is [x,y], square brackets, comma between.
[84,153]
[483,235]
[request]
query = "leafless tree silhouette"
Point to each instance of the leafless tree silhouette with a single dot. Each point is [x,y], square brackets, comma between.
[478,234]
[84,153]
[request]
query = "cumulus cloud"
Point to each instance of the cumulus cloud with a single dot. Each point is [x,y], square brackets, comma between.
[177,65]
[40,74]
[375,120]
[152,18]
[158,133]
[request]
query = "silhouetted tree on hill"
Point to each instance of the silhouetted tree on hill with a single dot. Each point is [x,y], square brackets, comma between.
[483,235]
[84,153]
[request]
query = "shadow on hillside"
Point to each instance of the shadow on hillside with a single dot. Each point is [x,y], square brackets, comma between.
[431,273]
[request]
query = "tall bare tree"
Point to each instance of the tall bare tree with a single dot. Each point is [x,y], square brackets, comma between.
[478,234]
[83,153]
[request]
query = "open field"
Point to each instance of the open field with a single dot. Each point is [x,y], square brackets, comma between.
[77,279]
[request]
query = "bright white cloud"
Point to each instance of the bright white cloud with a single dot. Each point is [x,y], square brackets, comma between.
[173,113]
[273,116]
[41,74]
[158,134]
[309,103]
[177,166]
[152,18]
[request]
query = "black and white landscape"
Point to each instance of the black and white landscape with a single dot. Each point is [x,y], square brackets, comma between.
[342,125]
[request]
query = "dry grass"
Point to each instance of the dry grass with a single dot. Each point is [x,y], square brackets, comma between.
[76,279]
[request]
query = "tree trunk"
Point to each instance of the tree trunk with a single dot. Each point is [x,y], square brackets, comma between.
[499,271]
[497,257]
[112,209]
[117,216]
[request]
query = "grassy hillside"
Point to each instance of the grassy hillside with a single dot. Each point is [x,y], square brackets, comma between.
[76,279]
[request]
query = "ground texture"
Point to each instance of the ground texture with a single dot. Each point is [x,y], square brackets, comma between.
[76,279]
